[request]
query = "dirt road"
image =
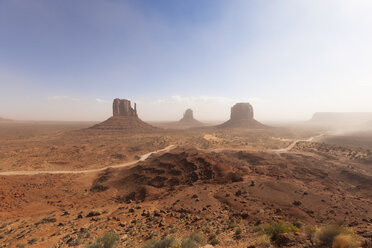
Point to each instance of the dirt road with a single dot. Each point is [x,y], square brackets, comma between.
[288,148]
[143,157]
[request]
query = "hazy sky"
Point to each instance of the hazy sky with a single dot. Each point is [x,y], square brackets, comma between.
[67,59]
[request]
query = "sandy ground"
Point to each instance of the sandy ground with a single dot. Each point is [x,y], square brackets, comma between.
[213,181]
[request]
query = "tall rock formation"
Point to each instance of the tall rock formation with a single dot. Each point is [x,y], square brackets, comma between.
[188,117]
[188,120]
[122,107]
[125,118]
[242,117]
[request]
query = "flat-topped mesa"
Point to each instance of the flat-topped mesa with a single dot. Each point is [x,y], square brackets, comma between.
[242,117]
[241,111]
[122,107]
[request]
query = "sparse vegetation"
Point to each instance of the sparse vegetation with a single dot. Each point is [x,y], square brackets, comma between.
[168,242]
[274,229]
[32,241]
[346,241]
[107,240]
[194,240]
[238,231]
[336,236]
[263,241]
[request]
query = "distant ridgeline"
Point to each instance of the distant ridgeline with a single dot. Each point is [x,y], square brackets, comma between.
[342,118]
[3,119]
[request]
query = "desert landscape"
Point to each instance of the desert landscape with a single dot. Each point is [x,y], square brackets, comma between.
[237,184]
[185,124]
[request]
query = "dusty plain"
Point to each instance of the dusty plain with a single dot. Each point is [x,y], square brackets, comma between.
[212,180]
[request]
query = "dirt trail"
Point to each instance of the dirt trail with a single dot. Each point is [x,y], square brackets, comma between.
[288,148]
[143,157]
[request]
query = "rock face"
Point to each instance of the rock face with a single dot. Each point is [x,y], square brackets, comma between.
[188,116]
[125,118]
[242,116]
[122,107]
[188,121]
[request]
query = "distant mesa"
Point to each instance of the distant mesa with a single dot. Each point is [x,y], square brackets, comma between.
[242,117]
[4,120]
[189,120]
[341,119]
[125,118]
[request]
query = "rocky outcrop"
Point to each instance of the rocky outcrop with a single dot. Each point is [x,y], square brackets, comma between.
[187,121]
[153,178]
[188,116]
[125,118]
[242,117]
[122,107]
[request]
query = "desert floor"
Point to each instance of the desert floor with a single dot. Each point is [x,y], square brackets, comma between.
[214,181]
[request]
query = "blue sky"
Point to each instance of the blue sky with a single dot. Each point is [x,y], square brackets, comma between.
[67,59]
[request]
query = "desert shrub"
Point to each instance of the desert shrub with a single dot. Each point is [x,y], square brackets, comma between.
[213,239]
[346,241]
[33,241]
[194,240]
[263,241]
[274,229]
[168,242]
[310,230]
[326,234]
[107,240]
[298,224]
[238,231]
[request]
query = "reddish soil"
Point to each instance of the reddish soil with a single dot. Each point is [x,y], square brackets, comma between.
[211,185]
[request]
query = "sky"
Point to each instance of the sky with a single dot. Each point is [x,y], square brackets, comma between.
[68,59]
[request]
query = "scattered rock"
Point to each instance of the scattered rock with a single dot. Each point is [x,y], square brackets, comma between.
[93,213]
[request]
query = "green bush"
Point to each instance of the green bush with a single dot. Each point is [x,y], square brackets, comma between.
[168,242]
[275,229]
[194,240]
[107,240]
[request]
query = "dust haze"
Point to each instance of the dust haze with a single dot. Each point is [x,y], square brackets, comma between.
[185,124]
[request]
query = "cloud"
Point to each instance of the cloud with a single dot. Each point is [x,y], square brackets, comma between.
[63,98]
[206,99]
[100,100]
[205,107]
